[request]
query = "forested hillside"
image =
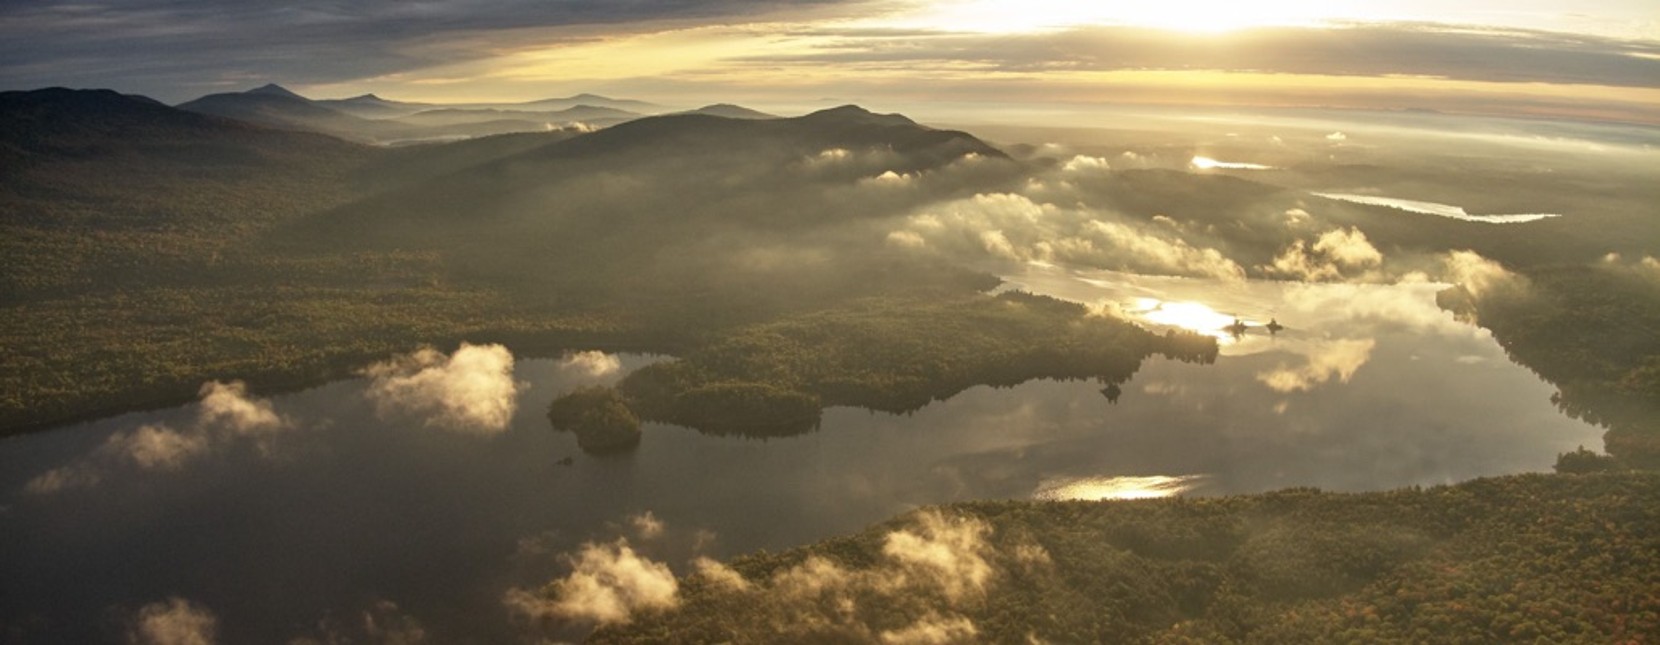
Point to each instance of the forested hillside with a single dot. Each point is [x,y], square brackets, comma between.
[1534,558]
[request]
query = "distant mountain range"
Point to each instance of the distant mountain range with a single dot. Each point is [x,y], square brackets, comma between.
[107,199]
[371,119]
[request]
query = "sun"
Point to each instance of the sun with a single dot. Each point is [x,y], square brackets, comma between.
[1199,16]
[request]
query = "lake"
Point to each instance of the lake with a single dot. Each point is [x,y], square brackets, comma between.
[348,520]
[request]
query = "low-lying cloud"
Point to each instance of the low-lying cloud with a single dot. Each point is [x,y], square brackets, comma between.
[1477,274]
[226,416]
[174,621]
[608,584]
[936,559]
[1013,227]
[470,391]
[1336,255]
[591,364]
[227,406]
[156,447]
[933,629]
[948,551]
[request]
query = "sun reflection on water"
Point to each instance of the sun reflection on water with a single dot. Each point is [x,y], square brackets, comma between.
[1131,487]
[1193,316]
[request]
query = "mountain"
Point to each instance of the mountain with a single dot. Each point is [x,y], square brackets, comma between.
[369,106]
[595,100]
[98,126]
[582,113]
[646,201]
[273,89]
[276,107]
[151,184]
[731,111]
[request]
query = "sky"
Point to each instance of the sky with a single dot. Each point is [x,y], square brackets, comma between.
[1592,58]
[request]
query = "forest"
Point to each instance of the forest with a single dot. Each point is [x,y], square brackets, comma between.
[1528,558]
[773,378]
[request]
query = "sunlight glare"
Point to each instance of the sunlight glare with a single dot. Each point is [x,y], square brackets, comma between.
[1207,163]
[1192,316]
[1099,488]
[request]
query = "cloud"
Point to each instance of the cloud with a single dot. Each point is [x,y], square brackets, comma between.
[888,179]
[226,405]
[591,364]
[174,621]
[1174,256]
[225,415]
[906,239]
[833,155]
[1337,136]
[933,559]
[1338,359]
[719,574]
[933,630]
[1086,163]
[814,577]
[76,475]
[470,391]
[1478,274]
[1337,254]
[1014,227]
[156,447]
[998,245]
[950,551]
[609,584]
[647,526]
[1409,304]
[1646,266]
[1377,49]
[169,48]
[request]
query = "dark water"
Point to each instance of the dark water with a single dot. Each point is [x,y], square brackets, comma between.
[344,511]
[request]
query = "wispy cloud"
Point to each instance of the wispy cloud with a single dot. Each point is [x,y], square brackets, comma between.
[175,621]
[225,416]
[608,584]
[1015,227]
[1379,49]
[591,364]
[1335,255]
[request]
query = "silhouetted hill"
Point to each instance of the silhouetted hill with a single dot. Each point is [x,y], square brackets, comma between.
[369,106]
[273,89]
[855,114]
[649,201]
[849,127]
[102,126]
[278,108]
[456,116]
[731,111]
[595,100]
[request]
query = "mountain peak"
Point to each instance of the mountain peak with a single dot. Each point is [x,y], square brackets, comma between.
[275,90]
[857,114]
